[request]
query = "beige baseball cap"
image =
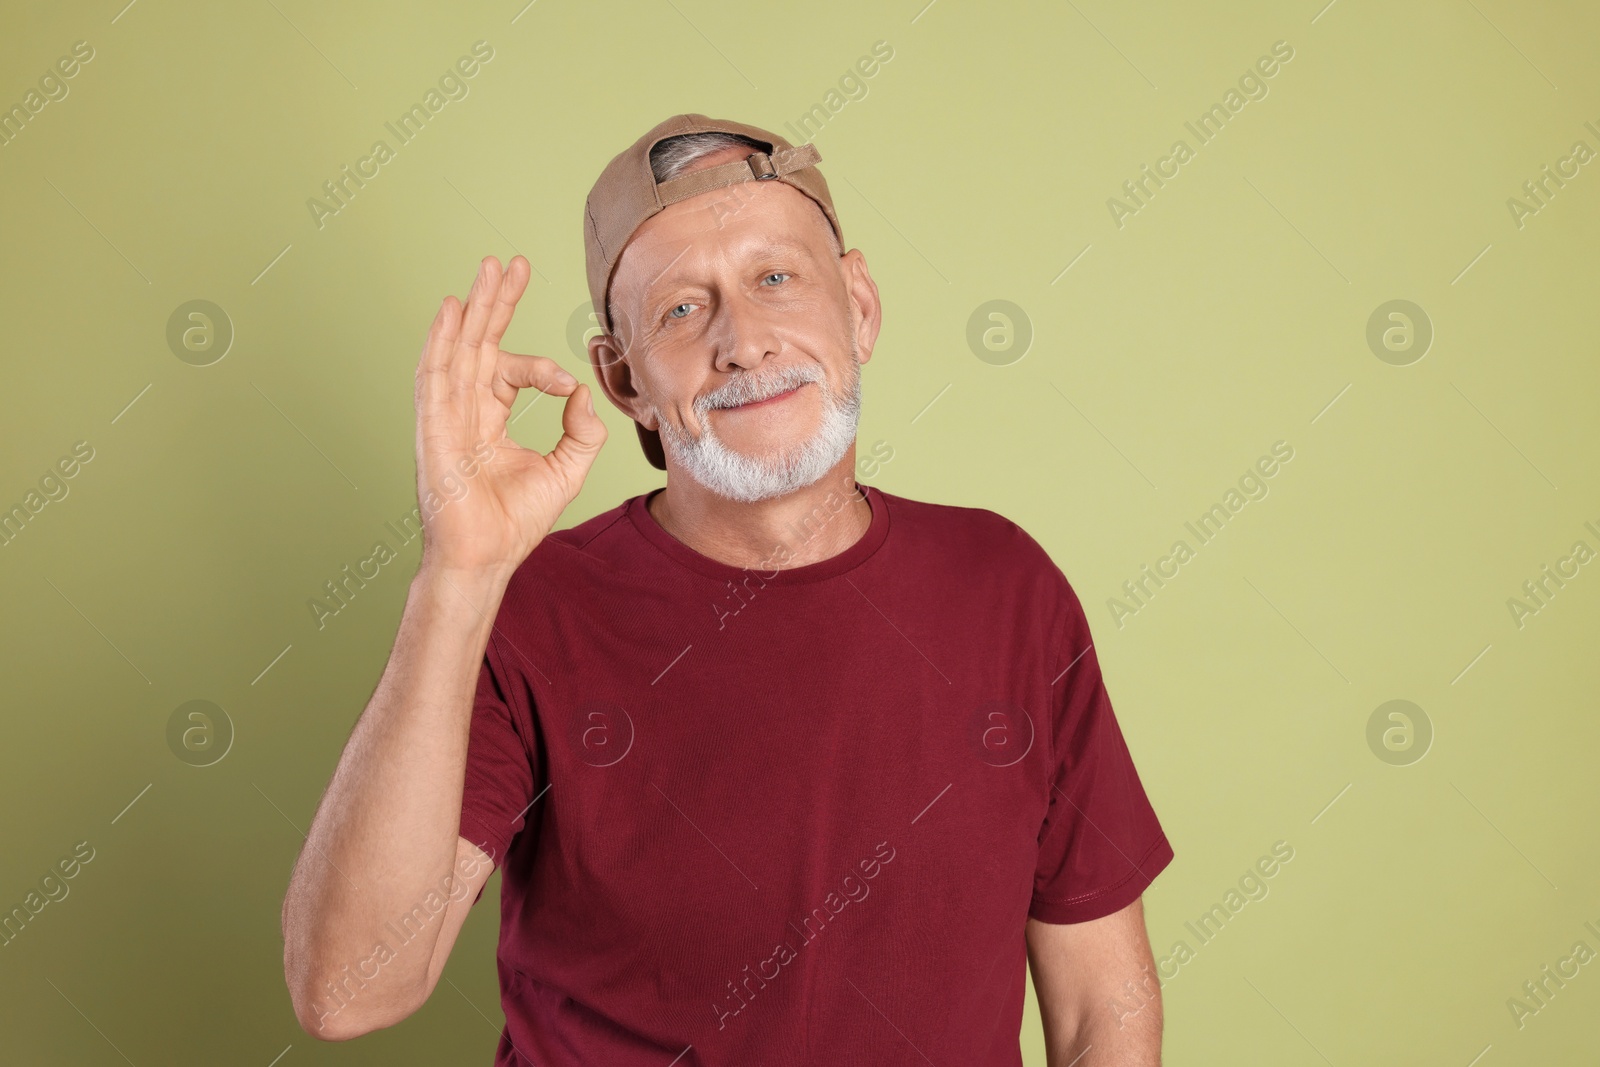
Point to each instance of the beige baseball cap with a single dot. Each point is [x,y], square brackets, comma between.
[626,194]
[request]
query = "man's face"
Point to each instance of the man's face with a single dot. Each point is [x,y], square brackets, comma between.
[739,337]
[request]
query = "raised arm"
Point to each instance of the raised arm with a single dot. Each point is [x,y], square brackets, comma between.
[386,833]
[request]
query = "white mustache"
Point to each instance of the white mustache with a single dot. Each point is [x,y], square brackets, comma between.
[747,389]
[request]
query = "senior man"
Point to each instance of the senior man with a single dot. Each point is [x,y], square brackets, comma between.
[779,768]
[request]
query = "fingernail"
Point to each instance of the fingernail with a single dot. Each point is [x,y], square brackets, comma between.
[566,378]
[588,401]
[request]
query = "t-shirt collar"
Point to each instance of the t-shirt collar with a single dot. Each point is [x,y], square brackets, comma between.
[684,556]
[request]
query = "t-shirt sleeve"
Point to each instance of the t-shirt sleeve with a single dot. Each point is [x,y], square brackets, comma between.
[504,774]
[1100,844]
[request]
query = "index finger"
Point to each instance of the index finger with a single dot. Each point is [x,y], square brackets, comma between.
[479,303]
[512,285]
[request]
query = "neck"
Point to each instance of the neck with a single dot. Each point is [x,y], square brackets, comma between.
[808,522]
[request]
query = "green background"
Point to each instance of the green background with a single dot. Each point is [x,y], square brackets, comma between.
[1230,312]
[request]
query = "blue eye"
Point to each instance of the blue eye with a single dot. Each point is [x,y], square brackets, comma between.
[776,274]
[674,312]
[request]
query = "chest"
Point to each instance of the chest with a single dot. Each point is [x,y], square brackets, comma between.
[746,763]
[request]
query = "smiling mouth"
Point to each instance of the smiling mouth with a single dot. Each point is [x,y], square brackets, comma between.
[769,400]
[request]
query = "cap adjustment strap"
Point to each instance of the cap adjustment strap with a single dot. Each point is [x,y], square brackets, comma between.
[758,166]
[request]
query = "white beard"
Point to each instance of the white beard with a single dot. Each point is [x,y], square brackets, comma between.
[737,476]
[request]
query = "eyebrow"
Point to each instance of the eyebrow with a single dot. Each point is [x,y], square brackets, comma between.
[757,248]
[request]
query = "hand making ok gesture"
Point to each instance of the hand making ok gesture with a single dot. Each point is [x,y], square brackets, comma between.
[493,516]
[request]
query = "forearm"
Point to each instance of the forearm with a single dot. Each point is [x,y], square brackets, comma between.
[386,830]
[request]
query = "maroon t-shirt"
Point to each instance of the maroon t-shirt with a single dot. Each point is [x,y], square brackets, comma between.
[793,816]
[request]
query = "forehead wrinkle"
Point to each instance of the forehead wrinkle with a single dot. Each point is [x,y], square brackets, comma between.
[652,283]
[755,246]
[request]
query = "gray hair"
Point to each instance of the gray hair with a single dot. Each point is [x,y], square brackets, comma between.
[671,157]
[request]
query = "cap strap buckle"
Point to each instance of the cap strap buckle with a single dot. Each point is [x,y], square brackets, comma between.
[761,166]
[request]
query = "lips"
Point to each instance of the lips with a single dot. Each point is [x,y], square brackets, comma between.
[770,400]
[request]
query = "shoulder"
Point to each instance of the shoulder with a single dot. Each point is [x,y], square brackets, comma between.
[986,536]
[993,557]
[594,542]
[946,521]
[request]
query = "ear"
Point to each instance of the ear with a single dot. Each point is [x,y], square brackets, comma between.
[615,375]
[866,307]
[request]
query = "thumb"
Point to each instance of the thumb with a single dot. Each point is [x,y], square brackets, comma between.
[582,434]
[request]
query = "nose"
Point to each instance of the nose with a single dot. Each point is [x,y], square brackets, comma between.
[745,334]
